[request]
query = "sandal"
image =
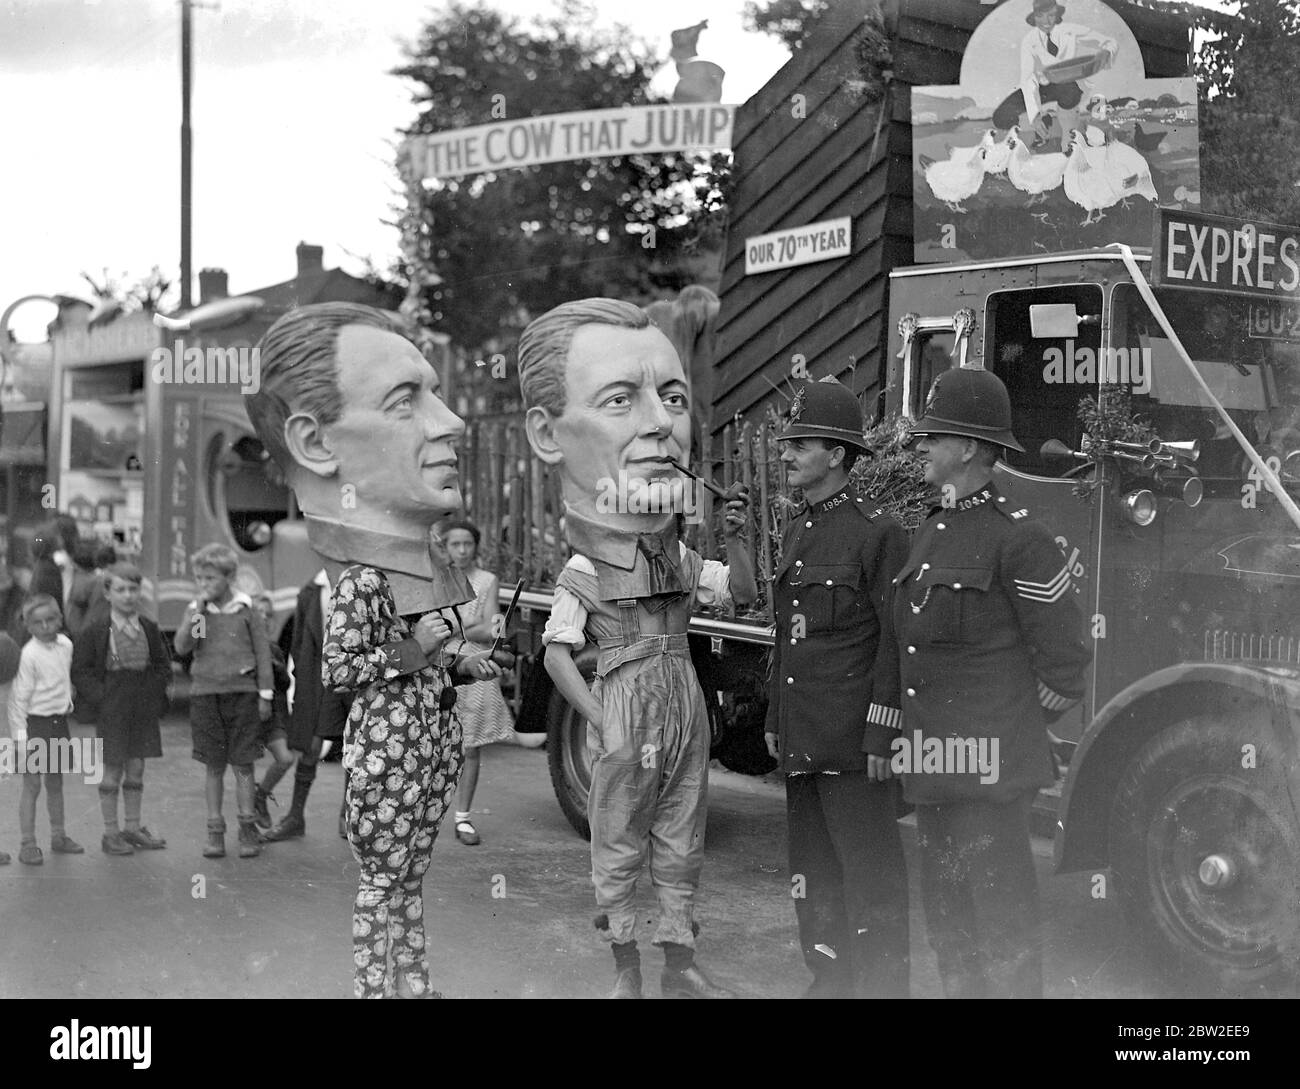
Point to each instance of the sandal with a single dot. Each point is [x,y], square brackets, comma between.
[466,834]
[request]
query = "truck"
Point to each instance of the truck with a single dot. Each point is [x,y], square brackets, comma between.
[1168,469]
[150,448]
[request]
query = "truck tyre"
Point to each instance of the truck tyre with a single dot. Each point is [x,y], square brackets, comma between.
[569,760]
[1205,849]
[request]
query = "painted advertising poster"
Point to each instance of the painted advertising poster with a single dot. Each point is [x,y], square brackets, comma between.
[1053,140]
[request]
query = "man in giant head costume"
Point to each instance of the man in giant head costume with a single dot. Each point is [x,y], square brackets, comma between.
[608,406]
[349,410]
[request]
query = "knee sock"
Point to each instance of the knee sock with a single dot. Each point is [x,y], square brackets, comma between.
[272,776]
[303,777]
[677,958]
[626,955]
[131,799]
[108,807]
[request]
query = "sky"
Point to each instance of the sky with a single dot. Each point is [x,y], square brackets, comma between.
[294,116]
[294,119]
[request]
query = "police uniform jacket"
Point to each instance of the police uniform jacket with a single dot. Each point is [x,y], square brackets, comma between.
[833,693]
[990,646]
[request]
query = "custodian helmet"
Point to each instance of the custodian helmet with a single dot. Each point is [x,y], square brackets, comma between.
[969,402]
[826,410]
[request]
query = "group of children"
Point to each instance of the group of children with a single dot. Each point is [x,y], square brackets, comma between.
[116,671]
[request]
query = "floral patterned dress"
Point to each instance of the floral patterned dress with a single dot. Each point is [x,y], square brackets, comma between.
[403,758]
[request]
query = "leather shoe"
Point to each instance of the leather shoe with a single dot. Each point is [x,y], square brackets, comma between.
[66,845]
[144,839]
[114,843]
[291,827]
[691,983]
[628,984]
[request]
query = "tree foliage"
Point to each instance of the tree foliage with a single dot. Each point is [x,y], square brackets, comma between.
[487,252]
[788,20]
[1249,117]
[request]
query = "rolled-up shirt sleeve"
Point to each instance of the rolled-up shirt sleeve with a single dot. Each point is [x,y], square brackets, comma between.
[567,621]
[714,585]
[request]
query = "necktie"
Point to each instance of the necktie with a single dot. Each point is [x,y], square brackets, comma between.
[1052,47]
[665,582]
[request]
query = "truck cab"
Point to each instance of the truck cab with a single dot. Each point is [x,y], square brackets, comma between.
[1180,767]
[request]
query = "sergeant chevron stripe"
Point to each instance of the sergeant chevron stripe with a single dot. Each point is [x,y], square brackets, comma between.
[1052,701]
[1045,592]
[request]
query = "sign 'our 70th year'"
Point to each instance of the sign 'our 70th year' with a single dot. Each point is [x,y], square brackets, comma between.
[799,245]
[561,137]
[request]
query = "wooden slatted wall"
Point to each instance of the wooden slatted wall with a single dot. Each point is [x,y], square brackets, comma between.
[793,170]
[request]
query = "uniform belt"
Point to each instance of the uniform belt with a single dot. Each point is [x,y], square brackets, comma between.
[614,652]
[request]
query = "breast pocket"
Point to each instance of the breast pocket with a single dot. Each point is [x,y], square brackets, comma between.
[827,595]
[955,602]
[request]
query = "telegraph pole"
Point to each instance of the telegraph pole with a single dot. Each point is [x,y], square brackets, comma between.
[187,34]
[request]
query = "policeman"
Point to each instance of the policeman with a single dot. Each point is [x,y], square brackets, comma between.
[990,652]
[833,707]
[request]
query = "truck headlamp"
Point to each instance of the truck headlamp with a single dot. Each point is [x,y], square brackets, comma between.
[1139,507]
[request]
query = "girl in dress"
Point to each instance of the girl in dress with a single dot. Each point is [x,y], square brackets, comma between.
[482,709]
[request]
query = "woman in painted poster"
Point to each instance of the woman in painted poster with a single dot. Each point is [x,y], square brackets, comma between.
[1050,42]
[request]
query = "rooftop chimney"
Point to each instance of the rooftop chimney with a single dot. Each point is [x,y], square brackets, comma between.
[212,285]
[311,259]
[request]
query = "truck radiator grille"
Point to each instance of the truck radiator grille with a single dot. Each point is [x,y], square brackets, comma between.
[1233,646]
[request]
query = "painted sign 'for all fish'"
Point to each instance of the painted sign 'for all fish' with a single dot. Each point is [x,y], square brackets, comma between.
[560,137]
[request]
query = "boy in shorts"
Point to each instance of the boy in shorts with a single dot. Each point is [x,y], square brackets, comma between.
[230,691]
[120,670]
[39,704]
[275,737]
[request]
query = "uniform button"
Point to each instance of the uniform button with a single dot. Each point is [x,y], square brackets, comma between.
[789,680]
[911,650]
[940,526]
[925,567]
[894,581]
[1002,498]
[807,525]
[830,582]
[795,603]
[911,692]
[794,642]
[798,563]
[956,585]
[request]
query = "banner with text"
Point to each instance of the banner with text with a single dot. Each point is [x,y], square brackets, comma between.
[561,137]
[798,245]
[1233,256]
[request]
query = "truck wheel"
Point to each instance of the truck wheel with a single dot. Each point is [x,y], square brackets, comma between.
[1206,851]
[569,760]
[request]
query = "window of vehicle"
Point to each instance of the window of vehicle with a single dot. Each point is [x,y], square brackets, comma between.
[1248,354]
[1046,377]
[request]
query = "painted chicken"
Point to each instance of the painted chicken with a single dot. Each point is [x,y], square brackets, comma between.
[956,178]
[1125,167]
[1089,187]
[1036,175]
[996,155]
